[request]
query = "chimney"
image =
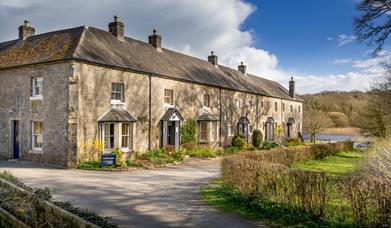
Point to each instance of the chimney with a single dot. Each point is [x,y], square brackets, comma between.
[117,28]
[242,68]
[292,92]
[155,40]
[26,30]
[213,59]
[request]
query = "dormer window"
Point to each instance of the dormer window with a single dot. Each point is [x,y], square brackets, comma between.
[117,92]
[36,87]
[206,100]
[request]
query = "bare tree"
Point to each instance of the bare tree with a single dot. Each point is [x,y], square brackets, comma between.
[314,122]
[374,22]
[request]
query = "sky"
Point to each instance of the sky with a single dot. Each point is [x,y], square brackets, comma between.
[310,40]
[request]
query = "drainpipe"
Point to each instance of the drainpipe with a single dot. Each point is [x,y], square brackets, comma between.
[221,116]
[149,110]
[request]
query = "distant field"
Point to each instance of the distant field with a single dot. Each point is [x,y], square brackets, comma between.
[342,131]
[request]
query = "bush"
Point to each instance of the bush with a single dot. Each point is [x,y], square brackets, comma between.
[160,156]
[257,138]
[294,142]
[189,146]
[119,161]
[231,150]
[90,165]
[131,163]
[238,141]
[267,145]
[189,131]
[202,152]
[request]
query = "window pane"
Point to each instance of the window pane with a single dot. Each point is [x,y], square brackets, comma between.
[117,91]
[126,134]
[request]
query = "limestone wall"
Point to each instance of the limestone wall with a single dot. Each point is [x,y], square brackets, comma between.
[15,104]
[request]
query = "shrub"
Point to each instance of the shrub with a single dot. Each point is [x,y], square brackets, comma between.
[189,131]
[267,145]
[90,165]
[189,146]
[202,152]
[119,161]
[238,141]
[231,150]
[294,142]
[131,163]
[257,138]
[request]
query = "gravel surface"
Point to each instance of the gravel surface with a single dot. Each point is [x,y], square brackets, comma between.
[163,197]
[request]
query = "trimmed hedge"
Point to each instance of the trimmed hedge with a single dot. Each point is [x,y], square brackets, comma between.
[290,155]
[266,175]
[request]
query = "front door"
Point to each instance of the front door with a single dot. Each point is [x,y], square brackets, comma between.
[270,131]
[170,132]
[15,139]
[289,130]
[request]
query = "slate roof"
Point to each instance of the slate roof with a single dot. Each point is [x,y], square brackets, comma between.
[243,120]
[206,116]
[170,112]
[101,47]
[117,114]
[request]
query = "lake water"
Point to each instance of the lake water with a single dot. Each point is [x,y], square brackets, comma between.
[331,137]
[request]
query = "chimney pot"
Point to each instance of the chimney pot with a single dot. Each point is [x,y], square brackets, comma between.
[292,90]
[242,68]
[117,28]
[155,40]
[213,58]
[26,30]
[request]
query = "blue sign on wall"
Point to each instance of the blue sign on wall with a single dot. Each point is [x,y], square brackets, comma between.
[108,160]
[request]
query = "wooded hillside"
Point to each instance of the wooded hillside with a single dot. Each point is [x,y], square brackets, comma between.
[341,107]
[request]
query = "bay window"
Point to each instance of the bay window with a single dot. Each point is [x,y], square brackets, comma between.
[208,131]
[117,135]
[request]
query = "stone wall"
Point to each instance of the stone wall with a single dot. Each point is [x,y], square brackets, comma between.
[15,104]
[91,100]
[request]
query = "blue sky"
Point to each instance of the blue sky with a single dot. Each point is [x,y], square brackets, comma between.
[298,32]
[311,40]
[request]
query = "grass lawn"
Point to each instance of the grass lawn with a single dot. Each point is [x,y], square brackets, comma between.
[341,164]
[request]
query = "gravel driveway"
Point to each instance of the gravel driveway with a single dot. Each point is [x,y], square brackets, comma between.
[164,197]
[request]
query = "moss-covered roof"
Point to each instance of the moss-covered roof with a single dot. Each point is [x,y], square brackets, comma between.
[101,47]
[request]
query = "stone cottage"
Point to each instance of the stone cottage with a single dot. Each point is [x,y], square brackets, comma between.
[63,91]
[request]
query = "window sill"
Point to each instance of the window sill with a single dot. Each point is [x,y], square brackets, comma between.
[36,151]
[126,150]
[168,105]
[34,98]
[116,102]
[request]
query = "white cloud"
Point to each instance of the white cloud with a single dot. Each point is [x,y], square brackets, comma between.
[192,27]
[330,38]
[345,39]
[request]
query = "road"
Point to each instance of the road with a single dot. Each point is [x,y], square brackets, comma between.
[163,197]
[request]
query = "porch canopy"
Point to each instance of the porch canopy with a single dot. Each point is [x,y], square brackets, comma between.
[117,113]
[172,114]
[206,116]
[291,120]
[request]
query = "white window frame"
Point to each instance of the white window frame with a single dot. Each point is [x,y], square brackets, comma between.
[204,132]
[117,136]
[107,135]
[206,100]
[114,93]
[230,130]
[213,131]
[36,84]
[35,135]
[127,135]
[169,96]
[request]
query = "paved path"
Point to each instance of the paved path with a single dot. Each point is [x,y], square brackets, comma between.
[165,197]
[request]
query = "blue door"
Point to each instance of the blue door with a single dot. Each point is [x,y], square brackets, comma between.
[15,139]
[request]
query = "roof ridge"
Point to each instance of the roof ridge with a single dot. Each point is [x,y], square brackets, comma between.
[81,38]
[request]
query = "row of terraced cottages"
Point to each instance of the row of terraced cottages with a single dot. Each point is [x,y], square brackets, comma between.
[64,90]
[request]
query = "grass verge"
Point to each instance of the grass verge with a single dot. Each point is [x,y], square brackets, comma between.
[341,164]
[218,195]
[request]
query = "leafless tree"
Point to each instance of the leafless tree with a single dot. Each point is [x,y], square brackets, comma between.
[374,22]
[314,122]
